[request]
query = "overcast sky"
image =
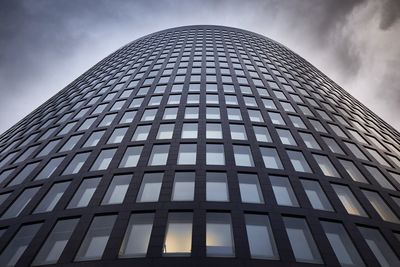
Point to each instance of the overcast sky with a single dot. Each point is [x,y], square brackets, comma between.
[46,44]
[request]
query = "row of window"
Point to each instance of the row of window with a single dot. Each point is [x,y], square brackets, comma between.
[216,185]
[219,239]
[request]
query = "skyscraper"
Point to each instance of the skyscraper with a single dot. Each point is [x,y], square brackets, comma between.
[200,146]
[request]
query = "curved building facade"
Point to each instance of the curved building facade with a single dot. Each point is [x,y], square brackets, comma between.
[200,146]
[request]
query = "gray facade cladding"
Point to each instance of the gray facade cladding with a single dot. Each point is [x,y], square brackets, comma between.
[200,146]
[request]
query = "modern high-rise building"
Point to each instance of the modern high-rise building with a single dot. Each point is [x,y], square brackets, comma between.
[200,146]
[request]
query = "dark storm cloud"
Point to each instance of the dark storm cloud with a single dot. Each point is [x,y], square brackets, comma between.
[45,44]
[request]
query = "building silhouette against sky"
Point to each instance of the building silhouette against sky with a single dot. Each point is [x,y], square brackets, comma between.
[200,146]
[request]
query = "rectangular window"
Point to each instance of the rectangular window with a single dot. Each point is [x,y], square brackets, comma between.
[250,191]
[46,150]
[49,169]
[76,163]
[16,248]
[342,245]
[20,203]
[286,137]
[316,195]
[381,207]
[107,120]
[302,241]
[260,237]
[131,157]
[219,235]
[96,238]
[183,188]
[170,113]
[332,145]
[255,116]
[216,187]
[212,113]
[348,200]
[310,141]
[128,117]
[191,113]
[52,197]
[159,155]
[379,178]
[117,135]
[141,133]
[23,174]
[262,134]
[150,188]
[103,160]
[165,131]
[238,132]
[297,122]
[137,236]
[353,171]
[271,158]
[94,139]
[215,154]
[117,190]
[84,193]
[149,115]
[213,131]
[56,242]
[189,130]
[178,237]
[276,118]
[283,191]
[326,166]
[298,161]
[187,154]
[243,156]
[234,114]
[379,247]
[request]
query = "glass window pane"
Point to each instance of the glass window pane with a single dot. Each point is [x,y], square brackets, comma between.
[128,117]
[381,207]
[332,145]
[379,178]
[117,190]
[276,118]
[137,236]
[131,157]
[353,171]
[141,133]
[260,237]
[55,242]
[96,238]
[250,190]
[302,241]
[76,163]
[49,169]
[262,134]
[16,248]
[243,156]
[286,137]
[70,144]
[84,193]
[379,247]
[117,135]
[283,191]
[191,113]
[213,113]
[219,235]
[159,155]
[52,197]
[165,131]
[310,141]
[216,187]
[149,115]
[213,131]
[150,188]
[183,188]
[215,154]
[326,165]
[238,132]
[20,203]
[255,116]
[178,236]
[94,139]
[23,174]
[271,158]
[189,130]
[316,195]
[298,161]
[349,201]
[342,245]
[103,160]
[187,154]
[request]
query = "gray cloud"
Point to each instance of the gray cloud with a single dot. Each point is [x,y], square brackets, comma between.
[45,44]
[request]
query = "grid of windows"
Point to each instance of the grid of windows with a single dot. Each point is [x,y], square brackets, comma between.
[186,142]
